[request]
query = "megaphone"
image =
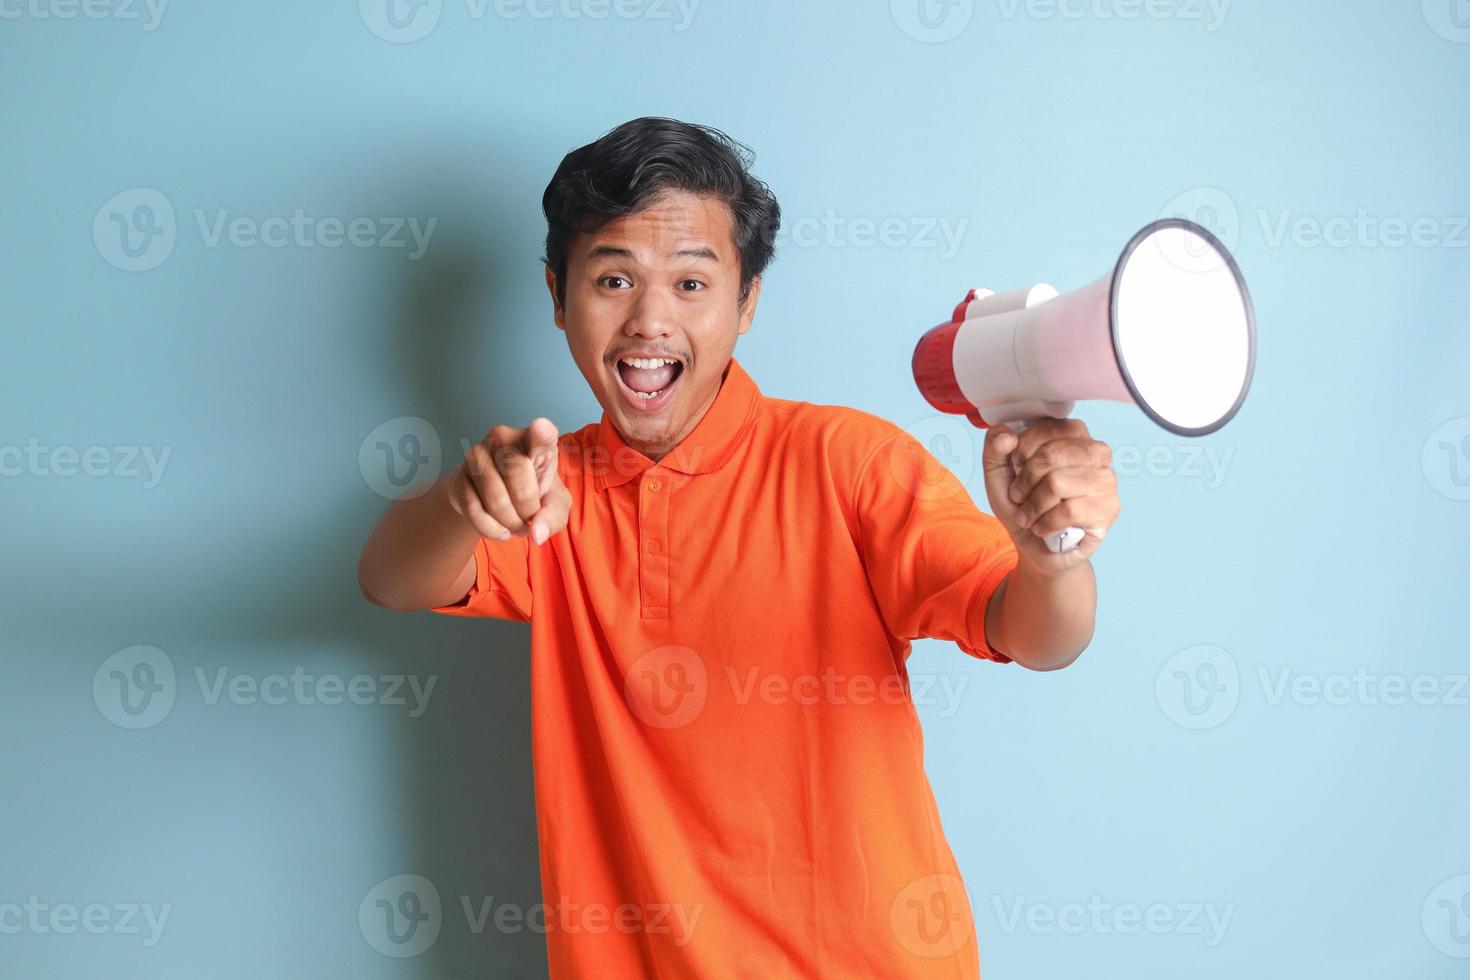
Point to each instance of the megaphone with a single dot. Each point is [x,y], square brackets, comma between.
[1170,329]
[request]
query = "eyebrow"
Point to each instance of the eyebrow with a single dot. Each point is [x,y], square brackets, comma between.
[602,251]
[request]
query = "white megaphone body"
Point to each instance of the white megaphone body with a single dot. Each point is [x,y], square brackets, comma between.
[1170,329]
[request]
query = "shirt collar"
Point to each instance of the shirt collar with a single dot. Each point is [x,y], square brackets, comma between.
[704,450]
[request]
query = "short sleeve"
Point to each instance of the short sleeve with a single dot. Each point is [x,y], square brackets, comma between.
[933,558]
[502,586]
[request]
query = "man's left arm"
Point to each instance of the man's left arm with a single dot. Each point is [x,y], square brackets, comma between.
[1051,476]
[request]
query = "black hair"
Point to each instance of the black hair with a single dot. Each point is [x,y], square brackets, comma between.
[625,171]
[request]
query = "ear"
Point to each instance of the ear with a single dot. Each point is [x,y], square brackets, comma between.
[747,309]
[558,313]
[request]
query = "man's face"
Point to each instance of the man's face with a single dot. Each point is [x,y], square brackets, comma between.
[661,285]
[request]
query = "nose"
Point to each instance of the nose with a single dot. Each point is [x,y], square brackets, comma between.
[651,316]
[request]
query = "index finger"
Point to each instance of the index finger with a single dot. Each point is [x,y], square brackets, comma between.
[539,437]
[541,441]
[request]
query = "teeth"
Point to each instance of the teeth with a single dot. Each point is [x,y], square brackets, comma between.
[648,362]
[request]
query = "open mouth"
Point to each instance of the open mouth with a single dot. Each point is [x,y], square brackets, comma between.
[648,382]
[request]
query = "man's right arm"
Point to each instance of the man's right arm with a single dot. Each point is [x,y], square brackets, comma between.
[421,553]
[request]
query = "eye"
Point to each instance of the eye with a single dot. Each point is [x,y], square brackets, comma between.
[614,282]
[691,285]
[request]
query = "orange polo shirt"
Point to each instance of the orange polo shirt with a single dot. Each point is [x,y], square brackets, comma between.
[728,765]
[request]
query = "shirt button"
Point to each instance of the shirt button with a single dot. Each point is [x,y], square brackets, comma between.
[655,485]
[653,547]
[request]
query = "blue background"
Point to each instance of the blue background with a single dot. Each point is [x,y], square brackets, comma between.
[1331,540]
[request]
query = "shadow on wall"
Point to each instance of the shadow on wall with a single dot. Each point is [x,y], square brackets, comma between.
[274,587]
[450,345]
[459,334]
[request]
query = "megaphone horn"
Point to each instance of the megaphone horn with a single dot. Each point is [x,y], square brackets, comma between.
[1171,329]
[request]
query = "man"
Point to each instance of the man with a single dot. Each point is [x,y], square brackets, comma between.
[722,589]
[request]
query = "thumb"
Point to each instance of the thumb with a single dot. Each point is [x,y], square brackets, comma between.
[1000,442]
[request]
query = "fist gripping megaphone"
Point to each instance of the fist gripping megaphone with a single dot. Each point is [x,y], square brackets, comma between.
[1170,329]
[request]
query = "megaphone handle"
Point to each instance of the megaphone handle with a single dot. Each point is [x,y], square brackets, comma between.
[1057,542]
